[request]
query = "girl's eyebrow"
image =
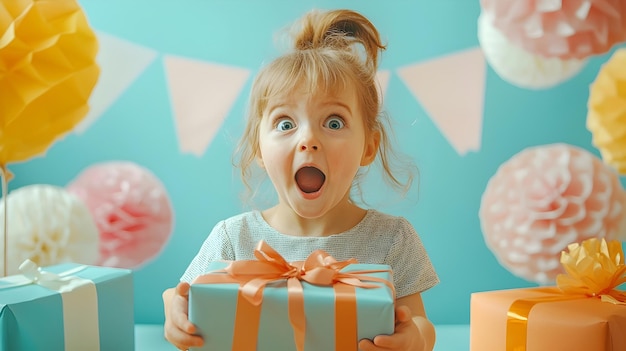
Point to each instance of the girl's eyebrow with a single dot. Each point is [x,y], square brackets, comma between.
[272,107]
[330,102]
[340,104]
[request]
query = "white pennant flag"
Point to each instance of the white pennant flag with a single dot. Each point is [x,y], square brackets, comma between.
[121,63]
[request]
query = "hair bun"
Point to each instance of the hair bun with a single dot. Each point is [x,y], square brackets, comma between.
[340,30]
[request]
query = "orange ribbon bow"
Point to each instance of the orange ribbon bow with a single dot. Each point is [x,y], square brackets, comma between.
[319,269]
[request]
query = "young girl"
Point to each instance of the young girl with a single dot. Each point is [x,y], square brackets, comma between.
[314,123]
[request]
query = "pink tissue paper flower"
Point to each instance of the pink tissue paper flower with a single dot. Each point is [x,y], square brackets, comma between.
[131,209]
[557,28]
[545,198]
[519,67]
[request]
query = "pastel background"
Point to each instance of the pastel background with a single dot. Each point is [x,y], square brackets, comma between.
[175,79]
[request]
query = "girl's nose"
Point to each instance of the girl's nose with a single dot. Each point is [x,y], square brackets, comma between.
[309,141]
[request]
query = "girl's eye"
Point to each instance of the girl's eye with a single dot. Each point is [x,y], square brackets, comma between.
[335,123]
[285,124]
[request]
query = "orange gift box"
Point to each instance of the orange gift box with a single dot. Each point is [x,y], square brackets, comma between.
[555,321]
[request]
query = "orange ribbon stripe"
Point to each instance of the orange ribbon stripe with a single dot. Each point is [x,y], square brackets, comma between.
[319,268]
[345,323]
[244,327]
[296,312]
[517,317]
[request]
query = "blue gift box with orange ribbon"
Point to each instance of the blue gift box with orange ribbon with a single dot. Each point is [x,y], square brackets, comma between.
[67,307]
[270,304]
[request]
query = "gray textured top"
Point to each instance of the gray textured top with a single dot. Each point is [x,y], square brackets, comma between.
[378,239]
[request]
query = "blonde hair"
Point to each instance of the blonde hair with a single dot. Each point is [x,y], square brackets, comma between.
[332,50]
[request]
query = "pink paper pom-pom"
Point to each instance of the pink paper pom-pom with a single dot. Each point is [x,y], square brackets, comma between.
[563,29]
[131,209]
[545,198]
[519,67]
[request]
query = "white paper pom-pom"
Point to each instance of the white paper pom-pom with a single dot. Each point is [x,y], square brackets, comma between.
[519,67]
[48,225]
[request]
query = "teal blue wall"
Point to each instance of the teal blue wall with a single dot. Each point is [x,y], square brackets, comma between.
[139,127]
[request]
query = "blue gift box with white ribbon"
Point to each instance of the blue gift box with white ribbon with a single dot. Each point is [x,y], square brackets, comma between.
[67,307]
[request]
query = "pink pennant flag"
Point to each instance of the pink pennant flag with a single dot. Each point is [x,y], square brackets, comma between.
[202,95]
[451,90]
[121,63]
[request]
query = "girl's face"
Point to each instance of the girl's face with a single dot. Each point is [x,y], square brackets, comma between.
[311,146]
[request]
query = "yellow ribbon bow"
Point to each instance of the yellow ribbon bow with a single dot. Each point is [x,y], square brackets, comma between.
[594,268]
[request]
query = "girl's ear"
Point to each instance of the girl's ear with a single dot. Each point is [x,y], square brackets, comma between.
[371,148]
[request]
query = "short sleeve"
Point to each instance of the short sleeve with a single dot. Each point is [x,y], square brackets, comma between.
[413,271]
[216,246]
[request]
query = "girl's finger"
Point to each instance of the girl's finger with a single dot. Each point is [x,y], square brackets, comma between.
[403,314]
[182,289]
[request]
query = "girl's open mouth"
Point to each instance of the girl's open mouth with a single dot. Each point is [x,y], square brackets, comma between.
[310,179]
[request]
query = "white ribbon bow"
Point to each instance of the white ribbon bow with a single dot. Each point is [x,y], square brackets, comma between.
[31,273]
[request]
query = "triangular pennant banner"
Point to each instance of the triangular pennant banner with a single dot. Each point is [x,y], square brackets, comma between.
[121,62]
[383,83]
[202,95]
[451,90]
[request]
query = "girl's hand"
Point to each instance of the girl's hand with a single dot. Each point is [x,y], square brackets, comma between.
[407,336]
[178,329]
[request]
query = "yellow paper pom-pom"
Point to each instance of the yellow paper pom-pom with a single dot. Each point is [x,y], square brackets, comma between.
[594,267]
[606,118]
[47,73]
